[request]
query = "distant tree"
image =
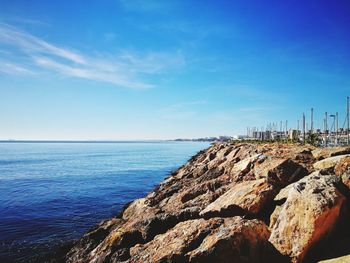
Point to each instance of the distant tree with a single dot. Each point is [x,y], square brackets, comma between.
[313,139]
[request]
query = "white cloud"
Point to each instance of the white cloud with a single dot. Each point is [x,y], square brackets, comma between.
[12,68]
[12,36]
[124,69]
[89,73]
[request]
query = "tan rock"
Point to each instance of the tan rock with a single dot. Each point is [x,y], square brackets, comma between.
[343,166]
[226,179]
[322,153]
[236,240]
[244,165]
[221,240]
[135,208]
[247,197]
[280,171]
[274,216]
[309,214]
[342,169]
[80,251]
[283,193]
[173,244]
[329,162]
[342,259]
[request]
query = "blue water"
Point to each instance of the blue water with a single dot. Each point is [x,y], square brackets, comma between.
[51,193]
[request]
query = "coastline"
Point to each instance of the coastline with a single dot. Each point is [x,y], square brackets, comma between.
[54,193]
[237,190]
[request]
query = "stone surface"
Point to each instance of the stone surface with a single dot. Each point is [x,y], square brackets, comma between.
[308,215]
[342,259]
[214,240]
[81,249]
[342,169]
[192,215]
[329,162]
[280,171]
[322,153]
[248,197]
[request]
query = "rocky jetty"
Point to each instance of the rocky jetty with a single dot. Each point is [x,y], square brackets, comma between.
[235,203]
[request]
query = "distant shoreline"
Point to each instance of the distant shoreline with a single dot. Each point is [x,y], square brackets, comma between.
[78,141]
[93,141]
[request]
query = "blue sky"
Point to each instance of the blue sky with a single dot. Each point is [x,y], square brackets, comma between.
[133,69]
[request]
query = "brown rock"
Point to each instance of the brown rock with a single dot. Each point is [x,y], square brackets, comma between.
[322,153]
[138,209]
[342,169]
[226,179]
[248,197]
[236,240]
[309,214]
[243,167]
[214,240]
[342,259]
[328,163]
[91,240]
[280,172]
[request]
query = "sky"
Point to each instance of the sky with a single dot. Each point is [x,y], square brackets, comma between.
[156,69]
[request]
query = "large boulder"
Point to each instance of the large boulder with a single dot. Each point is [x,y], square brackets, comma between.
[328,163]
[322,153]
[309,214]
[81,249]
[138,209]
[248,197]
[280,172]
[342,169]
[214,240]
[342,259]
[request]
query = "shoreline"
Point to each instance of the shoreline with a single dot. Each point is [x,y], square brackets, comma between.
[227,185]
[73,188]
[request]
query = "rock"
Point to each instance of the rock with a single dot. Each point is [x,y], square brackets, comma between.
[329,162]
[343,166]
[274,216]
[322,153]
[214,240]
[138,208]
[193,212]
[91,240]
[174,244]
[342,169]
[236,240]
[248,197]
[342,259]
[283,194]
[280,172]
[243,167]
[308,216]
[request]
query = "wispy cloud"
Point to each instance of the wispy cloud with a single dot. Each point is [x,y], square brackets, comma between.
[12,36]
[124,69]
[11,68]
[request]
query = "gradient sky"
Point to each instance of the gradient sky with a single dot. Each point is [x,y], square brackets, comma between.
[147,69]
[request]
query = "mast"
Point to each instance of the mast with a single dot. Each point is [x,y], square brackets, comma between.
[312,120]
[347,119]
[303,128]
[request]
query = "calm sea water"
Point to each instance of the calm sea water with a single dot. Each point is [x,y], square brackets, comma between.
[51,193]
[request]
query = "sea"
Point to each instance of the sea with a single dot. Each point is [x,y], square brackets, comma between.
[51,193]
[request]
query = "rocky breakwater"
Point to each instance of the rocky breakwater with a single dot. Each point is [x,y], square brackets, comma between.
[234,203]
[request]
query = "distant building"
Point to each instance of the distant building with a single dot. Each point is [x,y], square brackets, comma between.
[293,135]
